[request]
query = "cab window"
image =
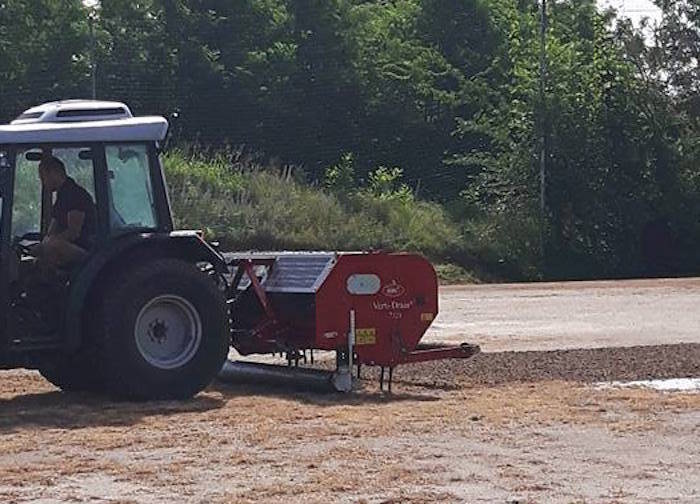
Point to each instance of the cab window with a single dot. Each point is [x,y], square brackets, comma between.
[27,203]
[26,206]
[131,193]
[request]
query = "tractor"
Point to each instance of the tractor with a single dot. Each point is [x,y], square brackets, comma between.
[152,312]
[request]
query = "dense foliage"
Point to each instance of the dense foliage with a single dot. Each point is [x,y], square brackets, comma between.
[387,103]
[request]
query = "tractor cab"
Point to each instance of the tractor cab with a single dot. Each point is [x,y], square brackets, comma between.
[105,151]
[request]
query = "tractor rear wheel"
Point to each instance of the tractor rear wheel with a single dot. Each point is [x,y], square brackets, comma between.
[165,331]
[72,374]
[79,371]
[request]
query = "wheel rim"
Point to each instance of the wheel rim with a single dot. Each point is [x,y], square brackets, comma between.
[168,331]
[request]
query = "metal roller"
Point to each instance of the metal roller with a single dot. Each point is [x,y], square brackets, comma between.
[269,374]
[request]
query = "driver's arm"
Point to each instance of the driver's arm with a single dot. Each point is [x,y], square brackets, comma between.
[52,228]
[75,221]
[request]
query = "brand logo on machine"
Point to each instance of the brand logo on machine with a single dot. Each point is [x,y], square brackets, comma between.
[393,289]
[392,305]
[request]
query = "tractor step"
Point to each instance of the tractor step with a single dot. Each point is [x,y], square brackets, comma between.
[35,344]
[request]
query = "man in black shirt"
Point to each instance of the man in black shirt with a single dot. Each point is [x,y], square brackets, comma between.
[73,217]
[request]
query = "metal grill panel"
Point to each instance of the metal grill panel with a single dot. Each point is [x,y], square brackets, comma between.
[297,273]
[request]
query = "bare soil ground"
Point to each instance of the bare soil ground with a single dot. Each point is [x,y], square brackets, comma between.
[549,316]
[522,422]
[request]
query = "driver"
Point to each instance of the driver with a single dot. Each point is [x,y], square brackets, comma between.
[73,217]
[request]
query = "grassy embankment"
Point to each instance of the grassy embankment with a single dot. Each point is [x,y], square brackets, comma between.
[249,207]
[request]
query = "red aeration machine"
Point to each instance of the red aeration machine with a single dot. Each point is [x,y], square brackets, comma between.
[370,308]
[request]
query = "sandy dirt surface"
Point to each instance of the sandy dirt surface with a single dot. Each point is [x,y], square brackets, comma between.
[570,315]
[526,421]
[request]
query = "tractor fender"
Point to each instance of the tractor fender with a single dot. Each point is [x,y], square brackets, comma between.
[186,245]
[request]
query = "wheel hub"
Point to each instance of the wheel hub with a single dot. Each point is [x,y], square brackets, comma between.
[158,331]
[168,331]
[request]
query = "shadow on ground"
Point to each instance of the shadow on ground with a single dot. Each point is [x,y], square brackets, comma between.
[56,409]
[323,398]
[65,410]
[419,382]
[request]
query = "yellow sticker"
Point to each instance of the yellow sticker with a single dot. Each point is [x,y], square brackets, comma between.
[366,336]
[427,317]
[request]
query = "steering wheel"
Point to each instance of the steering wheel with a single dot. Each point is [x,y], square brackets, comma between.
[26,249]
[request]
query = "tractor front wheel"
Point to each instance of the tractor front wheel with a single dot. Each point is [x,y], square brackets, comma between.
[165,331]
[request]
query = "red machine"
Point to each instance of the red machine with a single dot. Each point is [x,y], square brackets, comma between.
[371,308]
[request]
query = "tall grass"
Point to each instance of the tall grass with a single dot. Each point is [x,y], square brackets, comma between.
[247,206]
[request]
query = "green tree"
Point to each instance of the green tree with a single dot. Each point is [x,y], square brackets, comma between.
[136,61]
[674,57]
[42,53]
[421,63]
[609,166]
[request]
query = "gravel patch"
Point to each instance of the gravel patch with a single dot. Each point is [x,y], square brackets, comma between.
[587,365]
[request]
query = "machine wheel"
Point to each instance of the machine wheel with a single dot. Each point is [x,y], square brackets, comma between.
[72,374]
[164,331]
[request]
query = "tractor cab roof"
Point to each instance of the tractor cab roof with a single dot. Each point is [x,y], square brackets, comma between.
[74,110]
[82,121]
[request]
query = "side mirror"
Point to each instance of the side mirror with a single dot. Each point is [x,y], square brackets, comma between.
[172,123]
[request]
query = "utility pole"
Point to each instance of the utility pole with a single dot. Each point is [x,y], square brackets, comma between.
[543,125]
[93,52]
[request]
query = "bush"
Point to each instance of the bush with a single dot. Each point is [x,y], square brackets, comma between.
[246,206]
[505,245]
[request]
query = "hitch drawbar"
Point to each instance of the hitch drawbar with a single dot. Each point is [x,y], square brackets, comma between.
[370,308]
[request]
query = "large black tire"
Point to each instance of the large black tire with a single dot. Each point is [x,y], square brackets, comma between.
[79,371]
[146,316]
[72,374]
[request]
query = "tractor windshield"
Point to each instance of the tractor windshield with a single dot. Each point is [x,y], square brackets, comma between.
[132,204]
